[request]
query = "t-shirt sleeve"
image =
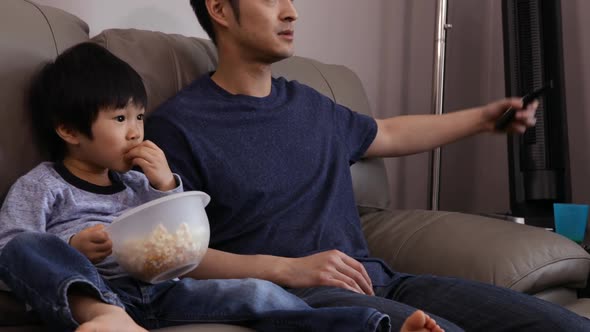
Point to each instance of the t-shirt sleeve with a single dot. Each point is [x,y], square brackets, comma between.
[145,191]
[178,151]
[26,209]
[356,130]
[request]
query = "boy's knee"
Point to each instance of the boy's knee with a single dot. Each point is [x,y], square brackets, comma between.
[30,240]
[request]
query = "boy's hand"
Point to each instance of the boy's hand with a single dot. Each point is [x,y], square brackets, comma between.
[523,119]
[93,242]
[152,161]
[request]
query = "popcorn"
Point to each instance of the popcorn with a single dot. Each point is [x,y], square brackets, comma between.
[161,250]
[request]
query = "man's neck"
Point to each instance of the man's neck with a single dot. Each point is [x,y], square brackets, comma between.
[240,76]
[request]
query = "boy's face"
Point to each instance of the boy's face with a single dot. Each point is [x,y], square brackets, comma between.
[114,132]
[266,29]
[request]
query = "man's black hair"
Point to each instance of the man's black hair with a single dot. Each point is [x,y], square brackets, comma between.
[70,91]
[200,9]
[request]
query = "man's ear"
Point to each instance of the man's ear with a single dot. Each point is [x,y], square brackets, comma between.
[68,134]
[220,11]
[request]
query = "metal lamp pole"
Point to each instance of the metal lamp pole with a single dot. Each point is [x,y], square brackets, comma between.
[438,95]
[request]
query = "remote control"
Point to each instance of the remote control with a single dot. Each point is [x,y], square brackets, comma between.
[508,116]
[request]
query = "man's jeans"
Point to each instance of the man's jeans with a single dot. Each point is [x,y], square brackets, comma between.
[41,269]
[470,305]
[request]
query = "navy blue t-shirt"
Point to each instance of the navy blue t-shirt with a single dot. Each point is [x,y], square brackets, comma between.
[277,168]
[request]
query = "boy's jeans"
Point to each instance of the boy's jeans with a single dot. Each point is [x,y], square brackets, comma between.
[41,268]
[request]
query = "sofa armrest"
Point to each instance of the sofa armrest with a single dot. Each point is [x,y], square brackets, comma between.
[520,257]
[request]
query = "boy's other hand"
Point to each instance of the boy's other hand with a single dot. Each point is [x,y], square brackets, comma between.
[93,242]
[152,161]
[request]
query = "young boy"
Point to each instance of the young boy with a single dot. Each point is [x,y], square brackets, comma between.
[87,112]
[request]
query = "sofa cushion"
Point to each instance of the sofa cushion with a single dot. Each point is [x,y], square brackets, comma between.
[524,258]
[13,312]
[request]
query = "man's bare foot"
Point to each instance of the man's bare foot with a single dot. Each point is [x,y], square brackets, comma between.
[420,322]
[96,316]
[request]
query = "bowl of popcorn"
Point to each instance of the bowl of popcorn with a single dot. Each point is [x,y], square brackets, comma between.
[162,239]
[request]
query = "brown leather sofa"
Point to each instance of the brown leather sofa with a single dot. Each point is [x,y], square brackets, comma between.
[520,257]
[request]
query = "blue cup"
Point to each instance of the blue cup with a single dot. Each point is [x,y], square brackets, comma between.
[571,220]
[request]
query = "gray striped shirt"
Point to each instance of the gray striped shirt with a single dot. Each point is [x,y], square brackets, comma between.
[51,199]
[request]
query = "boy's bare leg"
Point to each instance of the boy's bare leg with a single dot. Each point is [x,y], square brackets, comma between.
[420,322]
[96,316]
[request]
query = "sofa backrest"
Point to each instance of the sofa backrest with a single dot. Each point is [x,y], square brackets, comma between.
[31,35]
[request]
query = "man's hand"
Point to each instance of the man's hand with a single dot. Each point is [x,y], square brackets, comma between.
[152,161]
[523,118]
[329,268]
[93,242]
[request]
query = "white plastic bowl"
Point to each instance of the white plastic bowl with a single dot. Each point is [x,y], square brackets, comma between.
[162,239]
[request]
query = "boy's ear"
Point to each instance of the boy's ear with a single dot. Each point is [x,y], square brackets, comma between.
[220,11]
[69,135]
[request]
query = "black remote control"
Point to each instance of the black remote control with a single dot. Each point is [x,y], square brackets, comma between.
[507,117]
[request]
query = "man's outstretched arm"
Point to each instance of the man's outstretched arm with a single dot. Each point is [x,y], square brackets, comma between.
[405,135]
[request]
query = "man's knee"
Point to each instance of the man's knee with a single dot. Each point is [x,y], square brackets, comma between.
[264,293]
[258,287]
[273,293]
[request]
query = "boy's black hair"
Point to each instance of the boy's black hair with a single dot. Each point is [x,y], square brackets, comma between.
[70,91]
[204,18]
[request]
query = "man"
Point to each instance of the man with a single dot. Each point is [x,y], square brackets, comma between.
[275,156]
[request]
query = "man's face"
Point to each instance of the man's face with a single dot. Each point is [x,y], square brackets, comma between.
[114,133]
[265,30]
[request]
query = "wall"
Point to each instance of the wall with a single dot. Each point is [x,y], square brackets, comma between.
[172,16]
[475,170]
[389,44]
